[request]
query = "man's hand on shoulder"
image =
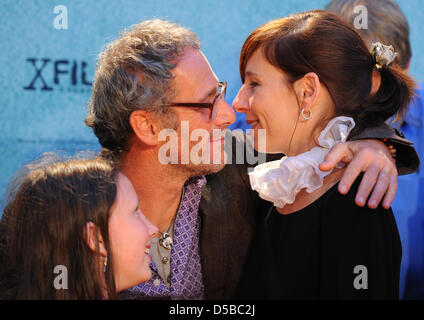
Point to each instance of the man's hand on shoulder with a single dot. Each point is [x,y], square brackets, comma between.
[373,158]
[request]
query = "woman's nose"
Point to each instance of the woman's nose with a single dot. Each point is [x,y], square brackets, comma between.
[241,103]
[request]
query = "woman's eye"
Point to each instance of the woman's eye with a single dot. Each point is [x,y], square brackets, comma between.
[253,84]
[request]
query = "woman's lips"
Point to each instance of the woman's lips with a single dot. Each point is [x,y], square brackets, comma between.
[253,123]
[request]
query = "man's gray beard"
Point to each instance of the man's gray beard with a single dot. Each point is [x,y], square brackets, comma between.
[195,170]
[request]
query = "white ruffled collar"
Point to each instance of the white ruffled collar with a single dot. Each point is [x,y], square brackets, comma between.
[280,181]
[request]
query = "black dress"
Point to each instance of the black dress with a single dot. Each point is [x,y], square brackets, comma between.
[332,249]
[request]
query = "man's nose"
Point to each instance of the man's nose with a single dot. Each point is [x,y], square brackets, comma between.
[241,103]
[225,115]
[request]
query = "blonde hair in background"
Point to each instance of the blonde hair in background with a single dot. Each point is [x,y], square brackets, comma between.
[386,24]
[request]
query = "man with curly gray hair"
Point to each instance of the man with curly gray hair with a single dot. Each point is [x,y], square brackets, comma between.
[152,47]
[152,66]
[154,78]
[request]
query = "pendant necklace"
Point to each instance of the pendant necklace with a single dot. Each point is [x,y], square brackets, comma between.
[165,239]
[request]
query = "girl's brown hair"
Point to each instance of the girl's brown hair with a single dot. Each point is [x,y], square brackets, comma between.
[320,42]
[43,224]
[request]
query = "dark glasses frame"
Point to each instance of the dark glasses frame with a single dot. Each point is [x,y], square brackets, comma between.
[209,105]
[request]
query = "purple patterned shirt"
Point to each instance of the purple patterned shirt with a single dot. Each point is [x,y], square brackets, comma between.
[186,268]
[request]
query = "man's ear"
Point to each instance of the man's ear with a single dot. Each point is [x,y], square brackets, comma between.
[308,90]
[145,127]
[90,238]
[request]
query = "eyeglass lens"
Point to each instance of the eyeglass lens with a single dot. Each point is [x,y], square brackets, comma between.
[222,90]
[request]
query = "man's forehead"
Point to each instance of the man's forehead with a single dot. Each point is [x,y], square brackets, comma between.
[194,73]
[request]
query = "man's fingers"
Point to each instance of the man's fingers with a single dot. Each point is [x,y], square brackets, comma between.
[339,152]
[380,176]
[367,184]
[351,173]
[391,193]
[380,189]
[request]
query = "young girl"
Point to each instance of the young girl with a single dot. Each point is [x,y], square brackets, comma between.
[73,230]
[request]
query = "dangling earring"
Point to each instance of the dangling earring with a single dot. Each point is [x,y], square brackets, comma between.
[105,264]
[309,116]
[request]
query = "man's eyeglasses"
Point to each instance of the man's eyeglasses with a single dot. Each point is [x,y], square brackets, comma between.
[222,89]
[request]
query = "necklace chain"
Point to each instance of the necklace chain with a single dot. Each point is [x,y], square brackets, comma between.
[165,239]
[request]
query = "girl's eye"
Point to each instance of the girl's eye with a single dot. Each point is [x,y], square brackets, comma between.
[137,211]
[253,84]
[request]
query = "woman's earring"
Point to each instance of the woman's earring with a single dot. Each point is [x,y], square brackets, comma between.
[105,264]
[308,116]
